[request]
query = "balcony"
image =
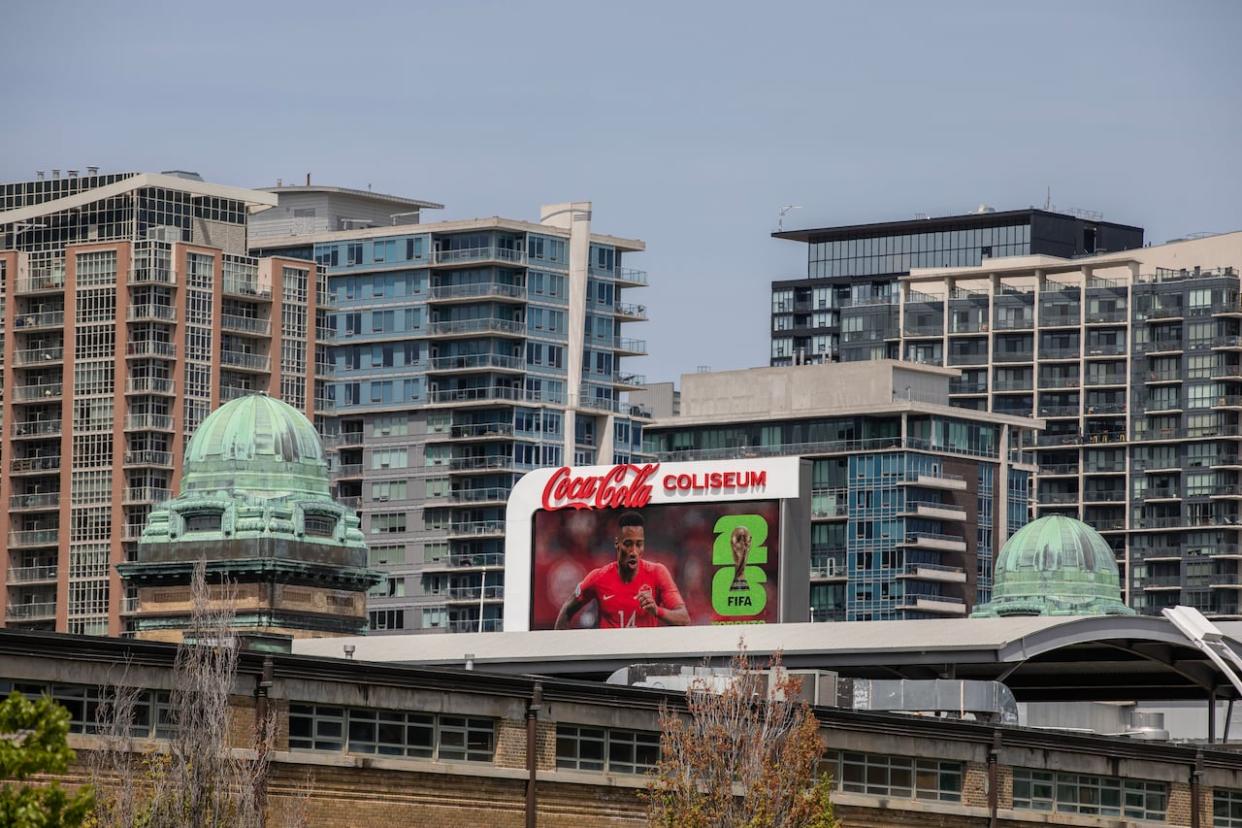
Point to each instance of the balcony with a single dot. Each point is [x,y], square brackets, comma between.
[489,253]
[938,573]
[159,459]
[149,385]
[631,313]
[1058,470]
[830,503]
[468,362]
[960,358]
[939,604]
[250,325]
[1105,408]
[52,282]
[246,288]
[933,510]
[35,428]
[149,422]
[159,274]
[477,431]
[129,605]
[490,495]
[1097,380]
[347,471]
[39,321]
[1059,411]
[1059,353]
[481,463]
[630,347]
[476,593]
[38,392]
[475,291]
[477,529]
[39,500]
[146,494]
[45,611]
[1056,498]
[1112,317]
[1227,342]
[151,348]
[233,392]
[30,357]
[943,481]
[32,574]
[29,538]
[1059,382]
[1104,349]
[630,276]
[967,387]
[348,439]
[828,565]
[1013,356]
[35,465]
[485,394]
[474,327]
[468,625]
[244,361]
[151,313]
[1021,324]
[935,540]
[1012,385]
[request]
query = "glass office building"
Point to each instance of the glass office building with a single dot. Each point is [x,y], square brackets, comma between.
[468,353]
[841,310]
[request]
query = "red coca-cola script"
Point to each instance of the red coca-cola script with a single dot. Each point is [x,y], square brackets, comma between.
[625,486]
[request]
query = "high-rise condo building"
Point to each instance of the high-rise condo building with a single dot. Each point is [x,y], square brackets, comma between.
[468,352]
[858,266]
[131,311]
[911,499]
[1133,360]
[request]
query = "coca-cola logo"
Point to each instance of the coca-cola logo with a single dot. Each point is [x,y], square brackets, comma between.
[615,489]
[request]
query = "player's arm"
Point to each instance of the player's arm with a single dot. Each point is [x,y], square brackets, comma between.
[671,609]
[570,608]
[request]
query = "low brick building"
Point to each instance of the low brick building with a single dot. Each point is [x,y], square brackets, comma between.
[362,744]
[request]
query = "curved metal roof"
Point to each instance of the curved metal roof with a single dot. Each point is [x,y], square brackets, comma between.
[1039,657]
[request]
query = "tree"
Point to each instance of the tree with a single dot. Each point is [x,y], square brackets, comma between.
[741,755]
[201,781]
[33,740]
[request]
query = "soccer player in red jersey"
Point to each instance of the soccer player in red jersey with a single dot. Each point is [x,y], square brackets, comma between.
[630,592]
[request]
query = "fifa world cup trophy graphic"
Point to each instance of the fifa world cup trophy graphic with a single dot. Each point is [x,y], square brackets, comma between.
[740,541]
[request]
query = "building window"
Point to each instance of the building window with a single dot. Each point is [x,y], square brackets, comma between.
[85,704]
[391,733]
[605,749]
[896,776]
[1076,793]
[387,523]
[387,619]
[1226,808]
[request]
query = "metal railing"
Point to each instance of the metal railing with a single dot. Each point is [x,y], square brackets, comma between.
[148,457]
[631,311]
[245,324]
[478,290]
[151,347]
[247,287]
[149,422]
[631,275]
[147,494]
[31,612]
[489,392]
[29,574]
[488,494]
[489,252]
[348,470]
[36,428]
[40,500]
[36,284]
[149,385]
[46,319]
[477,527]
[242,359]
[450,363]
[475,463]
[915,537]
[481,430]
[34,537]
[159,313]
[35,464]
[38,391]
[472,326]
[38,356]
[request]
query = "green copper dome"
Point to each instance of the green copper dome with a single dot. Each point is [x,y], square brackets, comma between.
[1055,565]
[256,444]
[255,468]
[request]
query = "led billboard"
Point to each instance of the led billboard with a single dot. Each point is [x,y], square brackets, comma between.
[654,545]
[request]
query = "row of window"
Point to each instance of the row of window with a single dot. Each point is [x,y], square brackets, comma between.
[1077,793]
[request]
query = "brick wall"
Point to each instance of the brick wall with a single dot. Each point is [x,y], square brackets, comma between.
[511,744]
[975,785]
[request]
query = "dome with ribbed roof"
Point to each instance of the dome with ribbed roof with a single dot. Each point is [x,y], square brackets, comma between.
[1056,565]
[256,444]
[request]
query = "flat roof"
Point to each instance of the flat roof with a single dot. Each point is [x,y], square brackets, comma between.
[356,193]
[450,226]
[254,200]
[932,223]
[1040,658]
[868,410]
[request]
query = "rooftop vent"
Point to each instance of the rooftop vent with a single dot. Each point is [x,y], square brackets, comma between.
[985,208]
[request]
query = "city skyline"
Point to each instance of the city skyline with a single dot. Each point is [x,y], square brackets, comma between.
[683,140]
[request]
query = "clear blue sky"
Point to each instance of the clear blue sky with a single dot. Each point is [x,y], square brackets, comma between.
[688,124]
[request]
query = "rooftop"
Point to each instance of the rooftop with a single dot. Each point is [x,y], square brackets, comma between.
[387,198]
[1053,658]
[931,224]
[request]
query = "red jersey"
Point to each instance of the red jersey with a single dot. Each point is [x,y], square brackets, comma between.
[618,599]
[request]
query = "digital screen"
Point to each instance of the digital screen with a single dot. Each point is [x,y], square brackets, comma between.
[662,565]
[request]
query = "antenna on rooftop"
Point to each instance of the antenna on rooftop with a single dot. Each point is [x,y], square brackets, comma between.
[1048,199]
[780,220]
